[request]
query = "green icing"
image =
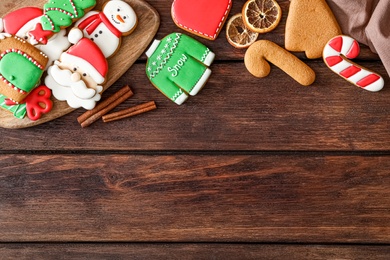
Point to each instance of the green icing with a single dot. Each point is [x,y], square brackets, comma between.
[176,65]
[19,111]
[21,72]
[61,13]
[85,4]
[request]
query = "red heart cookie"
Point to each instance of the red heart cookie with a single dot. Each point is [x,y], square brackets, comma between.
[204,18]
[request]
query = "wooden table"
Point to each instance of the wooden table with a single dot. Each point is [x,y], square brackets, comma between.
[248,169]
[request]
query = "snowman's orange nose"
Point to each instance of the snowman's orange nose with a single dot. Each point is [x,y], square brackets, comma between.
[120,19]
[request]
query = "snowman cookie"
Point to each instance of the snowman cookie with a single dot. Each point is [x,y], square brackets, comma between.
[107,27]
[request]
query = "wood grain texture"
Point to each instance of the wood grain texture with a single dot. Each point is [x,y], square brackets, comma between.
[274,113]
[191,251]
[195,198]
[248,169]
[132,47]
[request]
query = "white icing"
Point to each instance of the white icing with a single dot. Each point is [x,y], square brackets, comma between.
[65,93]
[55,46]
[75,35]
[152,48]
[209,59]
[360,75]
[115,9]
[105,40]
[1,25]
[4,35]
[347,45]
[181,98]
[341,66]
[201,82]
[376,86]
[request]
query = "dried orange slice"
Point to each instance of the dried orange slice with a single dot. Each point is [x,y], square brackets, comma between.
[238,34]
[261,15]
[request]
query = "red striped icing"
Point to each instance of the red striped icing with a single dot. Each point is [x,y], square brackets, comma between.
[353,51]
[337,43]
[367,80]
[350,71]
[333,60]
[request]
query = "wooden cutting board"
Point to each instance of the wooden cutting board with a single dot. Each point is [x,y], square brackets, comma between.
[132,47]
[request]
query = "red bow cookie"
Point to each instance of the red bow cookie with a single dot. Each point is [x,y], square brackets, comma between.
[38,102]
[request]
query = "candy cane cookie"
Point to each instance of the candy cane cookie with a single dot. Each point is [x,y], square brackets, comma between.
[259,53]
[335,55]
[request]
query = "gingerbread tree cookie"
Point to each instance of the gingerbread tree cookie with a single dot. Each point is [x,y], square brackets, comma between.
[310,25]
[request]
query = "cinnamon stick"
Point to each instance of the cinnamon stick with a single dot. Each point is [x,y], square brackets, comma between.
[132,111]
[105,106]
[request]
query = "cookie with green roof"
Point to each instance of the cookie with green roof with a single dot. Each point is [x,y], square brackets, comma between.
[178,66]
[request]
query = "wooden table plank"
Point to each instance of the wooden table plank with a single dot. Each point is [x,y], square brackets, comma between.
[274,113]
[191,251]
[195,198]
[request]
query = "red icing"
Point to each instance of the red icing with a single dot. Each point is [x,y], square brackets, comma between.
[90,52]
[333,60]
[337,43]
[40,34]
[367,80]
[34,101]
[204,17]
[15,20]
[350,71]
[92,22]
[354,51]
[9,102]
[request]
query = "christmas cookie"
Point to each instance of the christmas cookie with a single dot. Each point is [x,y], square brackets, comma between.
[34,105]
[178,66]
[77,77]
[336,54]
[60,14]
[310,25]
[22,21]
[204,18]
[257,57]
[18,110]
[21,67]
[107,27]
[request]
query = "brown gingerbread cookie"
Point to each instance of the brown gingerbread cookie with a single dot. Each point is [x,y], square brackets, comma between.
[310,25]
[261,52]
[21,67]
